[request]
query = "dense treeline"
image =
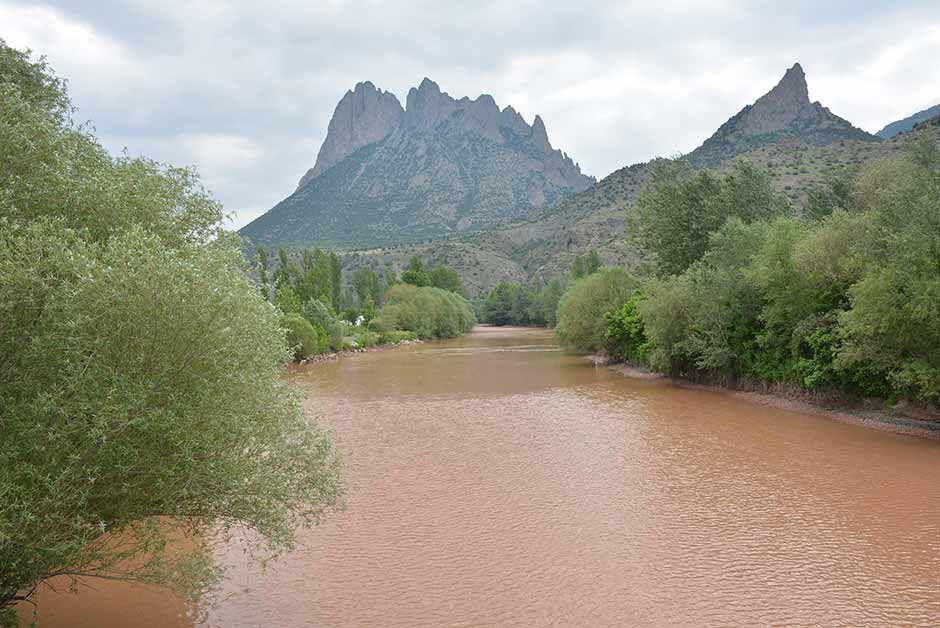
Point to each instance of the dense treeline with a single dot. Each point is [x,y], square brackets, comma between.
[319,315]
[843,294]
[536,303]
[139,366]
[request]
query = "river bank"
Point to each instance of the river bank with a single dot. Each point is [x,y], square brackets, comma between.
[335,355]
[865,413]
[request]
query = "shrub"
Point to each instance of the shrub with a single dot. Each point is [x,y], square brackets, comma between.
[426,311]
[626,339]
[319,314]
[304,339]
[396,336]
[665,313]
[581,323]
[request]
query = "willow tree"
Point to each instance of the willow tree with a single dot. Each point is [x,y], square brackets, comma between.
[140,368]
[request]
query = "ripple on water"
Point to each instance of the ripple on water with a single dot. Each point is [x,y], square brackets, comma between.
[495,481]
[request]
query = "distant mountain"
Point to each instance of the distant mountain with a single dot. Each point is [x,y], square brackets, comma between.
[907,124]
[796,140]
[436,167]
[783,112]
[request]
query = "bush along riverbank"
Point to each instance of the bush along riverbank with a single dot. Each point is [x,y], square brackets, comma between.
[835,302]
[381,343]
[410,314]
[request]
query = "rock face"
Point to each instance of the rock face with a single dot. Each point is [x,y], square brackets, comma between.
[439,166]
[784,111]
[907,124]
[364,116]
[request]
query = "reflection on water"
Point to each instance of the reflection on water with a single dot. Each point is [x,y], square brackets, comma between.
[495,481]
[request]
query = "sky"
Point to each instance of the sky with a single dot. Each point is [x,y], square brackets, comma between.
[244,90]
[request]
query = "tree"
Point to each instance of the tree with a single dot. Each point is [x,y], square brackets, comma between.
[497,307]
[336,281]
[367,286]
[445,278]
[893,325]
[426,311]
[678,208]
[593,262]
[321,315]
[263,272]
[415,274]
[581,323]
[286,300]
[578,268]
[163,411]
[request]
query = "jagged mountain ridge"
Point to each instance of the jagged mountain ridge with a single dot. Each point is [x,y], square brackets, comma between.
[782,130]
[907,124]
[438,166]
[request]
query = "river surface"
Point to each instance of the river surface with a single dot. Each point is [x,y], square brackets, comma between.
[496,481]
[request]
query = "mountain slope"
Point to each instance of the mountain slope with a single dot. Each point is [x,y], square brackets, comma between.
[908,123]
[439,166]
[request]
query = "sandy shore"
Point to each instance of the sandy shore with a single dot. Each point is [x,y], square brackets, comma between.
[896,423]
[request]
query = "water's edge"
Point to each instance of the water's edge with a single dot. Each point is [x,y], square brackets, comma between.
[870,419]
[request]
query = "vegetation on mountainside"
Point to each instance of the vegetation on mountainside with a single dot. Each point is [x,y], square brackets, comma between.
[140,367]
[843,294]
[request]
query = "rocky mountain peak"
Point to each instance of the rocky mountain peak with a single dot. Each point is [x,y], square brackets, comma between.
[437,166]
[539,134]
[784,111]
[780,106]
[363,116]
[426,105]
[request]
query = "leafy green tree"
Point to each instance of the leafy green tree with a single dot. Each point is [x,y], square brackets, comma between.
[426,311]
[415,274]
[321,315]
[581,323]
[303,339]
[445,278]
[592,262]
[141,395]
[368,285]
[391,279]
[893,324]
[833,193]
[665,313]
[497,307]
[578,268]
[548,299]
[626,338]
[263,272]
[679,208]
[287,300]
[286,273]
[336,280]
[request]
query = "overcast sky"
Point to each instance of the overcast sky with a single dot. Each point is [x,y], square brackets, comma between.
[244,90]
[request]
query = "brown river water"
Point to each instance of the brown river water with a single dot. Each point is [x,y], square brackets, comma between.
[496,481]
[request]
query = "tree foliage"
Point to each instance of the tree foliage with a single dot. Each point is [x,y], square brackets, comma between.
[679,208]
[139,366]
[426,311]
[581,323]
[846,297]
